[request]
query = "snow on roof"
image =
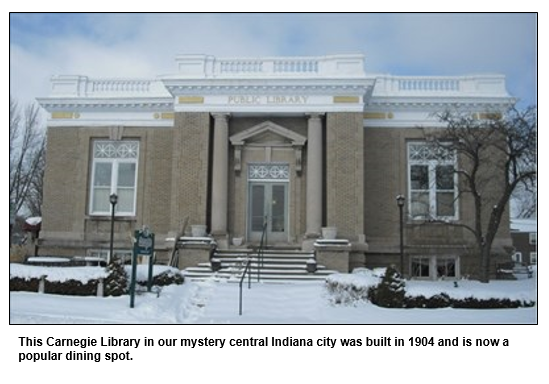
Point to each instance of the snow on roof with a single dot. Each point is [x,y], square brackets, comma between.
[524,225]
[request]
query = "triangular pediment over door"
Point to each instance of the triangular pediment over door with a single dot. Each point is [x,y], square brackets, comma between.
[268,133]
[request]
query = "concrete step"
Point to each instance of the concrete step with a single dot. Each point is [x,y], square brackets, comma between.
[263,278]
[277,265]
[270,260]
[264,265]
[204,273]
[264,255]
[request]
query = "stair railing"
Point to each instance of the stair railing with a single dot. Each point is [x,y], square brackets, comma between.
[261,249]
[247,270]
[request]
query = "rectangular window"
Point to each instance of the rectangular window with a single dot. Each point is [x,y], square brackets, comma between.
[446,267]
[124,255]
[421,267]
[533,257]
[114,170]
[434,267]
[432,182]
[533,238]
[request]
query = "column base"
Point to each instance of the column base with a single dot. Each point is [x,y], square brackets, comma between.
[222,240]
[308,245]
[334,255]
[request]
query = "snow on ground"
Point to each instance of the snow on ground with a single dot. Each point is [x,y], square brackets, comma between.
[523,289]
[82,274]
[61,274]
[305,303]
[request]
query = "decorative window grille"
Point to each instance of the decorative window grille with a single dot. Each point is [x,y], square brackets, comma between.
[268,172]
[114,170]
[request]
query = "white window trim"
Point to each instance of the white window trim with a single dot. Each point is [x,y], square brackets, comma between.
[534,258]
[114,181]
[106,253]
[533,238]
[431,164]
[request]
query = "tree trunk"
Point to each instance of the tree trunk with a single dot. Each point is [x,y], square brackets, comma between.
[485,264]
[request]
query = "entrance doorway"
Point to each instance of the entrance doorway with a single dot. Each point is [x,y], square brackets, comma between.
[268,203]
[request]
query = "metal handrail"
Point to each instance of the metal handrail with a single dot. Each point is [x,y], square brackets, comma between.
[248,271]
[261,249]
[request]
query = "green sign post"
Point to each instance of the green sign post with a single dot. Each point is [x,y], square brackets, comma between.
[144,246]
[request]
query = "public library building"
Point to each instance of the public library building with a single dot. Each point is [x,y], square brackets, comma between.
[280,148]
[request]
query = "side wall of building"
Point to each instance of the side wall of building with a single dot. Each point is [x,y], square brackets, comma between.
[385,177]
[68,227]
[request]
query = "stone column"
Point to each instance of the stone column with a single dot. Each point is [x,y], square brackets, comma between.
[220,174]
[314,175]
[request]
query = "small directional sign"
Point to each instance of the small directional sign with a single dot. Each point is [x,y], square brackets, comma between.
[145,242]
[143,246]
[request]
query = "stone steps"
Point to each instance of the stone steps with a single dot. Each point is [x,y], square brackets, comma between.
[281,266]
[266,266]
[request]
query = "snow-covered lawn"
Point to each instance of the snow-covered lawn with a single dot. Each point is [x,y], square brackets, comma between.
[217,302]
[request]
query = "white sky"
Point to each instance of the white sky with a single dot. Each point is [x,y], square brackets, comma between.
[144,45]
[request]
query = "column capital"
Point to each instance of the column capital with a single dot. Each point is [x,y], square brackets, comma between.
[221,115]
[314,115]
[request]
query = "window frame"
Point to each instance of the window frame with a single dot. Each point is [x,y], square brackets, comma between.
[434,265]
[432,165]
[533,238]
[105,254]
[115,158]
[533,258]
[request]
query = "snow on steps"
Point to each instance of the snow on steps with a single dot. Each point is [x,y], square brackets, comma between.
[282,266]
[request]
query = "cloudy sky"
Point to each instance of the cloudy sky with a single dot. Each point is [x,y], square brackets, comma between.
[144,45]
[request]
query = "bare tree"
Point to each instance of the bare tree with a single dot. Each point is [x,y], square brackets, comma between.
[525,202]
[497,156]
[27,158]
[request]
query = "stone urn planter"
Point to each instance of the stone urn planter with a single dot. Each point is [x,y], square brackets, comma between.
[237,241]
[311,266]
[198,230]
[329,233]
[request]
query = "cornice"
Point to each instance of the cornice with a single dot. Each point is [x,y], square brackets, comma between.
[428,103]
[181,87]
[96,104]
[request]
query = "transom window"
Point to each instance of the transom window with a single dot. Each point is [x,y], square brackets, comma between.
[432,182]
[114,170]
[269,172]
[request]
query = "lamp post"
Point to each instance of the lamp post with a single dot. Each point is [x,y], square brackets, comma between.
[400,202]
[113,199]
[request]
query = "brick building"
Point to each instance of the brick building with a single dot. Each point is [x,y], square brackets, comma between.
[298,143]
[524,233]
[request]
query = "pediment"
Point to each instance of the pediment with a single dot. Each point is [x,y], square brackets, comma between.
[268,132]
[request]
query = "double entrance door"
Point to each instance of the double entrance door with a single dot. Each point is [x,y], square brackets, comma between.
[268,205]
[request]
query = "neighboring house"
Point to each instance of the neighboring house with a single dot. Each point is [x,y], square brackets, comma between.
[524,233]
[299,143]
